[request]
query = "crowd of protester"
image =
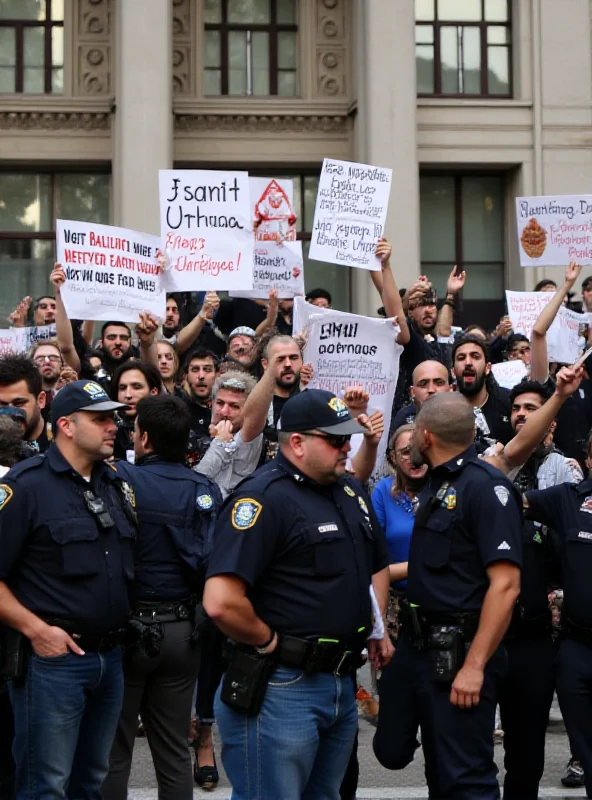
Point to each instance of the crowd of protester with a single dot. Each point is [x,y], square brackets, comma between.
[234,363]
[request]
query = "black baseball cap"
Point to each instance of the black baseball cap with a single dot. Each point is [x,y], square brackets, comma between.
[317,410]
[81,396]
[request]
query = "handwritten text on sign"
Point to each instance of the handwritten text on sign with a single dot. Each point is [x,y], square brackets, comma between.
[349,350]
[111,273]
[278,262]
[563,335]
[553,231]
[207,230]
[350,213]
[20,340]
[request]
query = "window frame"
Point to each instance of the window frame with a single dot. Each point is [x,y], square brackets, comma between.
[436,25]
[459,261]
[273,28]
[19,25]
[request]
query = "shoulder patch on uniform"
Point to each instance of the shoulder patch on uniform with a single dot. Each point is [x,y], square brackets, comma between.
[363,505]
[128,493]
[245,513]
[5,495]
[587,505]
[502,494]
[348,490]
[205,502]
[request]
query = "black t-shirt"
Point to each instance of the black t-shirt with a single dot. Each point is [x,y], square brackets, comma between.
[496,411]
[574,421]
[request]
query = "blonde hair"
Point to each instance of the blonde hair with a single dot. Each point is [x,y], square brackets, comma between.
[174,352]
[43,343]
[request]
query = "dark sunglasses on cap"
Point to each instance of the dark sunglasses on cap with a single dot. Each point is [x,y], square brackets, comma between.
[333,440]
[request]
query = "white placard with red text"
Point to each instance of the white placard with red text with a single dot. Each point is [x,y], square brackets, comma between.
[111,273]
[20,340]
[554,230]
[207,229]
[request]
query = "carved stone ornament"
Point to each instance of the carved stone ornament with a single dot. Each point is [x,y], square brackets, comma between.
[331,48]
[54,121]
[183,44]
[92,69]
[260,123]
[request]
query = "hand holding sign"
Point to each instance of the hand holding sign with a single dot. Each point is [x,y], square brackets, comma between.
[57,278]
[383,252]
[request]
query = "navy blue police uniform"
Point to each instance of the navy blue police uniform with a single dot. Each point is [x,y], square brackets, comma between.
[306,553]
[61,560]
[567,509]
[66,554]
[527,690]
[177,510]
[468,519]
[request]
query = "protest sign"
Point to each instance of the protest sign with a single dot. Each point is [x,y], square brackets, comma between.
[207,229]
[111,273]
[554,230]
[349,350]
[278,261]
[509,373]
[350,213]
[20,340]
[562,337]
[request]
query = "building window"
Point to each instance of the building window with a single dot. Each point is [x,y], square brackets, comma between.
[251,48]
[462,222]
[462,48]
[30,202]
[32,46]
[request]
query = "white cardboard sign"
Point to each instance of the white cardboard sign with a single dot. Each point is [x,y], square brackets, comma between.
[554,230]
[350,213]
[20,340]
[509,373]
[111,273]
[207,230]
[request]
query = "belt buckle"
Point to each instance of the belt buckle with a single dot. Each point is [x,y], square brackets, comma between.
[346,654]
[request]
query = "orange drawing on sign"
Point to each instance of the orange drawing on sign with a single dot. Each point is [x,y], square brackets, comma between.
[274,216]
[533,239]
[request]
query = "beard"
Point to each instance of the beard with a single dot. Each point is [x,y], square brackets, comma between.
[283,383]
[473,388]
[30,426]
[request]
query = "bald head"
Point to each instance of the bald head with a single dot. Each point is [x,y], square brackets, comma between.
[429,378]
[449,417]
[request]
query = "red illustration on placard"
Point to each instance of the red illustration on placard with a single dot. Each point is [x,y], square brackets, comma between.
[275,220]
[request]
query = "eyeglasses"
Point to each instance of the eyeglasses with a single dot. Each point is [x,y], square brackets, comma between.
[405,453]
[41,359]
[333,440]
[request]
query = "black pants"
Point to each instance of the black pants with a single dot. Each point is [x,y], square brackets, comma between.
[457,743]
[161,690]
[6,737]
[525,700]
[211,669]
[574,691]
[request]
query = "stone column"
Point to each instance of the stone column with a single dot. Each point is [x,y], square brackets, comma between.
[386,129]
[143,141]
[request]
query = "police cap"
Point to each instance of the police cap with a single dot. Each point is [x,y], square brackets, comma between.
[81,396]
[317,409]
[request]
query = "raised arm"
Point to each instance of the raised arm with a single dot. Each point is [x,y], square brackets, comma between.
[64,333]
[146,330]
[191,331]
[519,449]
[384,281]
[454,285]
[258,403]
[272,312]
[539,361]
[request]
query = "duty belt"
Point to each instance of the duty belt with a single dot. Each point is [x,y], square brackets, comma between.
[165,611]
[416,623]
[533,628]
[319,656]
[89,642]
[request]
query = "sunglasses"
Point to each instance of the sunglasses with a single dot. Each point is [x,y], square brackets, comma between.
[333,440]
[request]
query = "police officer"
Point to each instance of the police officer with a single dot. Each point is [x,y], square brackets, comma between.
[527,689]
[567,509]
[296,550]
[463,581]
[176,513]
[66,557]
